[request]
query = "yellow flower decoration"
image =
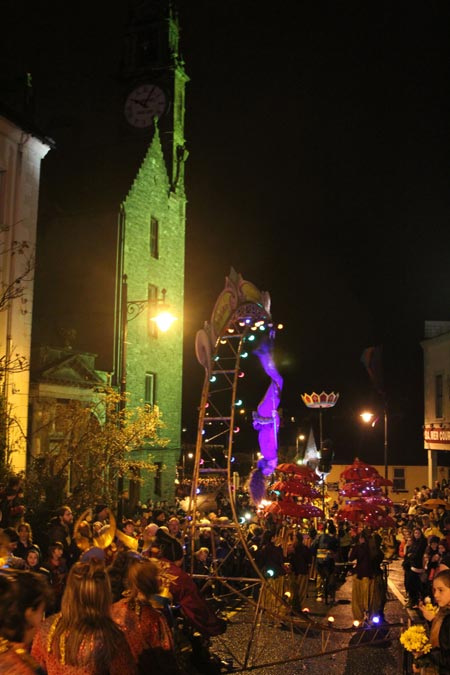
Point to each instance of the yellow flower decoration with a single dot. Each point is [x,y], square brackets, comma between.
[415,639]
[431,608]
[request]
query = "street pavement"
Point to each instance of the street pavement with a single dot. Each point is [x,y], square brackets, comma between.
[342,650]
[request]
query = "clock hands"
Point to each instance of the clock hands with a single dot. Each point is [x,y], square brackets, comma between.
[139,101]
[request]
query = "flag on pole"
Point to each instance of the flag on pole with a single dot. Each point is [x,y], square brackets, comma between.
[372,360]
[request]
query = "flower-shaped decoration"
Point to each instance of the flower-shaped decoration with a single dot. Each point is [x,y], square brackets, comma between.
[322,400]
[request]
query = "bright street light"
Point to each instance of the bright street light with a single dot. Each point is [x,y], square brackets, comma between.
[370,418]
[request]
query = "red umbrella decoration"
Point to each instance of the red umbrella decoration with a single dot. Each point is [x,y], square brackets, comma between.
[362,496]
[293,509]
[296,488]
[359,471]
[300,470]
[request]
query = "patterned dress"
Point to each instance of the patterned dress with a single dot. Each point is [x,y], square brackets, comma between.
[122,664]
[148,635]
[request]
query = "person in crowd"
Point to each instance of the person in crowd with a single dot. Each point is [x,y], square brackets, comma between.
[118,571]
[405,542]
[413,566]
[33,562]
[159,517]
[431,560]
[378,599]
[25,539]
[367,598]
[202,565]
[24,599]
[274,567]
[8,545]
[12,505]
[149,548]
[101,514]
[83,639]
[430,528]
[129,528]
[147,631]
[56,565]
[183,590]
[61,529]
[325,548]
[300,559]
[174,526]
[388,543]
[439,656]
[345,541]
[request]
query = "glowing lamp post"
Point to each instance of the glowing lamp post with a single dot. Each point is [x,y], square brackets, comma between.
[131,309]
[370,418]
[299,438]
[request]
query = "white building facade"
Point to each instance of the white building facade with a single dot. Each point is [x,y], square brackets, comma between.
[21,153]
[436,351]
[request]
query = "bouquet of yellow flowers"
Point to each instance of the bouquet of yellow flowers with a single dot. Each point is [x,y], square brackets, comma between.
[428,605]
[415,639]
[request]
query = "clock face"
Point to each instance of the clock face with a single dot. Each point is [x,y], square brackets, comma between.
[143,104]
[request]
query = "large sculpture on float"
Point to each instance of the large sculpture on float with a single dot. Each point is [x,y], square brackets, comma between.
[266,420]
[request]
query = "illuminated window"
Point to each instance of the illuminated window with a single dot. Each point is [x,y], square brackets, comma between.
[154,238]
[149,393]
[439,396]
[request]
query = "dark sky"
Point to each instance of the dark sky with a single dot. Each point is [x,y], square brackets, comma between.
[318,169]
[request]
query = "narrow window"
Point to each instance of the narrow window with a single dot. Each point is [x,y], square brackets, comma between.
[157,479]
[154,238]
[152,295]
[399,479]
[149,394]
[439,396]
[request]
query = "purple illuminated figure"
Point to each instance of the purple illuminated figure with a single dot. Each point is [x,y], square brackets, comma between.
[266,421]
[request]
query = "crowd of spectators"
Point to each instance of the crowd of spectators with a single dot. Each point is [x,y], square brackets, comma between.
[291,556]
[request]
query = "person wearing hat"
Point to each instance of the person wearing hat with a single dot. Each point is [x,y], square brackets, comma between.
[101,513]
[159,517]
[183,589]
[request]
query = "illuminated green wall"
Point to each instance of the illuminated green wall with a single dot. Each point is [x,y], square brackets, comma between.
[150,196]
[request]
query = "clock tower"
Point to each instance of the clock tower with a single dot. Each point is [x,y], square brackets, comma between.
[154,80]
[151,238]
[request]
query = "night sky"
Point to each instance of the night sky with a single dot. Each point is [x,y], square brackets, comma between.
[318,169]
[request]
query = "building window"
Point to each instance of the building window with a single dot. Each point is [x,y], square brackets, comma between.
[439,396]
[399,482]
[149,393]
[154,238]
[2,200]
[152,295]
[157,479]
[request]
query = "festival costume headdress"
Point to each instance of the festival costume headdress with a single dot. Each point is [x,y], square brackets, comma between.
[84,536]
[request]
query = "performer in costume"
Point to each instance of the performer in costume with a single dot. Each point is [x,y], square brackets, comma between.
[25,596]
[146,628]
[266,421]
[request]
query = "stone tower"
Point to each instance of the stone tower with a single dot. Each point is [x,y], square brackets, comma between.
[152,233]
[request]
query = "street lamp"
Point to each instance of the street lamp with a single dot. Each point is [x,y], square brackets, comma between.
[131,309]
[301,438]
[370,418]
[190,455]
